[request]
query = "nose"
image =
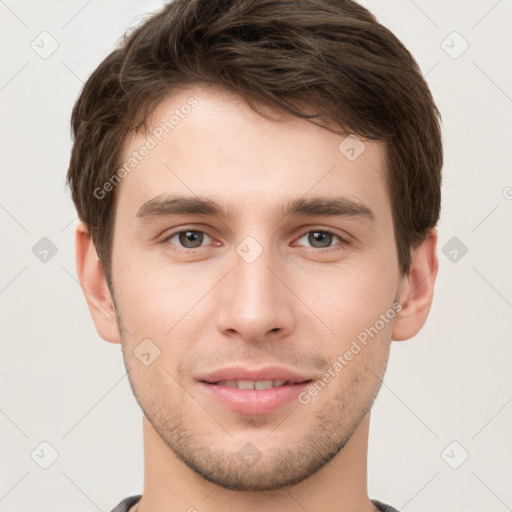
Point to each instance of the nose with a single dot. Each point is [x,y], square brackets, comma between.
[254,300]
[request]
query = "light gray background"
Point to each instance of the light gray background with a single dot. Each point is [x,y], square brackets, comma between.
[62,384]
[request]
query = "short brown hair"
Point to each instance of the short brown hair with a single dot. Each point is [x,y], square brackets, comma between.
[331,56]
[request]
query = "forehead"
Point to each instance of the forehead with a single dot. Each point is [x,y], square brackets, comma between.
[210,143]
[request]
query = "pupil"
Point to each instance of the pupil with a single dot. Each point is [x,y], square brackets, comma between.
[191,239]
[324,239]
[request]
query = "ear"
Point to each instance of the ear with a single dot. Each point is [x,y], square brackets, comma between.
[94,285]
[417,290]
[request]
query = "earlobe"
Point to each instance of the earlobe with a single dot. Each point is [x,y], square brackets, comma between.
[94,285]
[417,290]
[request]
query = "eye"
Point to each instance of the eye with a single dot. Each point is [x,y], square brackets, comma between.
[188,239]
[321,238]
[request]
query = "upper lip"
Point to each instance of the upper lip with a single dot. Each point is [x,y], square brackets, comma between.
[254,374]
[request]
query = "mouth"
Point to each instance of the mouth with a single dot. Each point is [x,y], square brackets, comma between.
[252,390]
[256,384]
[253,397]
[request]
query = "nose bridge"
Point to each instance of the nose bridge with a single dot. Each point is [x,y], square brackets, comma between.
[253,301]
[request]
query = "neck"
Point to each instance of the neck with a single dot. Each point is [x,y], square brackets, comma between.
[341,484]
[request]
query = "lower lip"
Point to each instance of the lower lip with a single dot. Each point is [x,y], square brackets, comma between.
[253,401]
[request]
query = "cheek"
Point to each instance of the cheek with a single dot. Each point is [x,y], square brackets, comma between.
[162,301]
[348,298]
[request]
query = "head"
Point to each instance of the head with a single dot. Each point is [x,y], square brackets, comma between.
[260,182]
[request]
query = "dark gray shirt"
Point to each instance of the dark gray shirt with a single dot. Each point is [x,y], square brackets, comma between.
[127,503]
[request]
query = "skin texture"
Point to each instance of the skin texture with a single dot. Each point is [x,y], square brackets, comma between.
[297,305]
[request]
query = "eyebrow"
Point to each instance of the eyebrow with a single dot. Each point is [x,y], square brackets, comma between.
[167,205]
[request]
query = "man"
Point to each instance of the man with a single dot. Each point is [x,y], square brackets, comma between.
[258,185]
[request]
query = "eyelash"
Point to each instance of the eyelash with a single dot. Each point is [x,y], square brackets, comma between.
[339,246]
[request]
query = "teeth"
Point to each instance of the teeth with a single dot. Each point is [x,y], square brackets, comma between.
[245,384]
[251,384]
[263,384]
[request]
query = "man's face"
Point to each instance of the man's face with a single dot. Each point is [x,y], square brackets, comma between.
[253,287]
